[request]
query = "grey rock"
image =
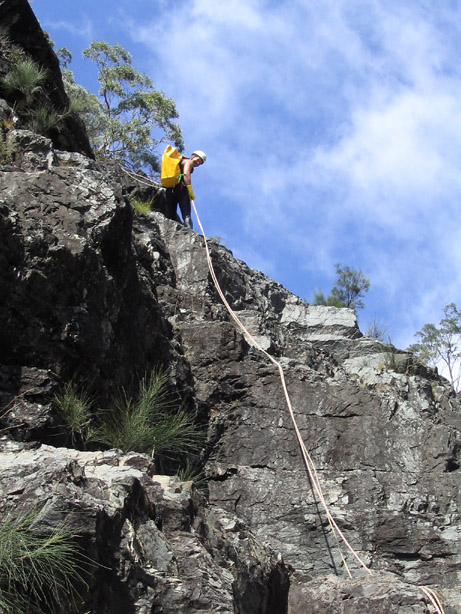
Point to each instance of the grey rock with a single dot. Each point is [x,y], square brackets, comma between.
[92,290]
[375,594]
[153,543]
[72,299]
[386,443]
[30,151]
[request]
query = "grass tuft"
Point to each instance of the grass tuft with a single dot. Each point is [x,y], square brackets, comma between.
[26,76]
[74,405]
[148,423]
[39,571]
[140,206]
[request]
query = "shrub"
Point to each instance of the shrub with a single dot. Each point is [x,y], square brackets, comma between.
[25,81]
[26,77]
[319,298]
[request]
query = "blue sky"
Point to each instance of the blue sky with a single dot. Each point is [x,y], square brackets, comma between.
[332,129]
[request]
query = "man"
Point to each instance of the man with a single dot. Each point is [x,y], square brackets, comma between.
[182,192]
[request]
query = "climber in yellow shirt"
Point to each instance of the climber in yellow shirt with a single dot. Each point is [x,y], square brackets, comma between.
[182,193]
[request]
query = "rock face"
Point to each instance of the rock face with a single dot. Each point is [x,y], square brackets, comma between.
[89,289]
[92,292]
[382,432]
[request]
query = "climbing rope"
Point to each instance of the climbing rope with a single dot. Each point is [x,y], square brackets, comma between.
[312,472]
[144,180]
[310,467]
[308,463]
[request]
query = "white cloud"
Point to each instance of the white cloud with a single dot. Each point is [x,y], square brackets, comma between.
[333,131]
[83,28]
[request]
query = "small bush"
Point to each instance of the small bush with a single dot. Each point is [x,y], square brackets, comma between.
[42,119]
[147,422]
[319,298]
[38,571]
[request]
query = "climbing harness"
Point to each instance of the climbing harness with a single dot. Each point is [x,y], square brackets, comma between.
[308,463]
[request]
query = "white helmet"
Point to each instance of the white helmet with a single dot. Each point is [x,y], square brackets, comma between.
[200,154]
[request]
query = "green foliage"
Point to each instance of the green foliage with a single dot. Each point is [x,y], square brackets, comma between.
[64,55]
[82,102]
[74,406]
[140,206]
[39,571]
[319,298]
[128,110]
[25,81]
[148,423]
[42,118]
[26,77]
[350,286]
[442,345]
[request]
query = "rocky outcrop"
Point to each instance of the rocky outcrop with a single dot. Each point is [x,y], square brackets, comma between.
[151,542]
[384,439]
[91,291]
[72,298]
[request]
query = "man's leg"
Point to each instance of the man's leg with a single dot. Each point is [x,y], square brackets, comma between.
[170,204]
[184,205]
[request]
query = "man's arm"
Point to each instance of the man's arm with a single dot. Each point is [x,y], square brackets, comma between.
[187,171]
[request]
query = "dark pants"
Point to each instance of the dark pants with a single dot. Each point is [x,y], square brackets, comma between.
[178,196]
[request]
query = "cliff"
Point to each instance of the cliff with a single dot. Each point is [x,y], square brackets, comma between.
[93,292]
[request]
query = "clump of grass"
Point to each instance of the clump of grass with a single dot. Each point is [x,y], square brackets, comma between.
[25,76]
[140,206]
[74,405]
[25,79]
[191,473]
[148,423]
[43,118]
[39,571]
